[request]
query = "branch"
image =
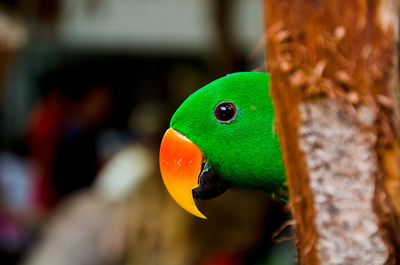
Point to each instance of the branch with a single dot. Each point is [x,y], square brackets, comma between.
[334,77]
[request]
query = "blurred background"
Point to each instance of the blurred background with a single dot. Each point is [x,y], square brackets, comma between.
[87,88]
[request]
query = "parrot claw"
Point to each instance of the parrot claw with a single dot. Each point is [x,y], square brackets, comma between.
[210,184]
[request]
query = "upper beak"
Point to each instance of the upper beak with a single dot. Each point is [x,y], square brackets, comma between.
[180,165]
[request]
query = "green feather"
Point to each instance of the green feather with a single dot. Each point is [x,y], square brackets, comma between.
[246,151]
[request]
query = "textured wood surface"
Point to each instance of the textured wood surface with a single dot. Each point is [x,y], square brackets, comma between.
[334,68]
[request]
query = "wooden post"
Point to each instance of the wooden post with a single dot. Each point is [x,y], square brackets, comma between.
[334,74]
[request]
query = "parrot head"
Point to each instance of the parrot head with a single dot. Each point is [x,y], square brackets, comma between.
[223,136]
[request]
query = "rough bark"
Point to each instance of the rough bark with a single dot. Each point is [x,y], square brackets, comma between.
[334,76]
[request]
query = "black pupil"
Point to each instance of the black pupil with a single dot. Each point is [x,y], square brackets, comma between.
[225,112]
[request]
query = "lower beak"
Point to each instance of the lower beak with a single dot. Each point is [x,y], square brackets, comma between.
[180,165]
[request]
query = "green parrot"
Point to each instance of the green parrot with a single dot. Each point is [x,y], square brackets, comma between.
[223,136]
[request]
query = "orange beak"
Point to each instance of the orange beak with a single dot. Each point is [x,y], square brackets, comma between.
[180,165]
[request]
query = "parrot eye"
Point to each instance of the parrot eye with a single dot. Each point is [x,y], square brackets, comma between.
[225,112]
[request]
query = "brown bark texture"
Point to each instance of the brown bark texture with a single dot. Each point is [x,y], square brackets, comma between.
[334,81]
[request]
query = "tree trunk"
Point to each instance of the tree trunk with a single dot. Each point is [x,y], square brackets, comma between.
[334,81]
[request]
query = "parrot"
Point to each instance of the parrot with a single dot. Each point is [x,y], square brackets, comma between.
[223,136]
